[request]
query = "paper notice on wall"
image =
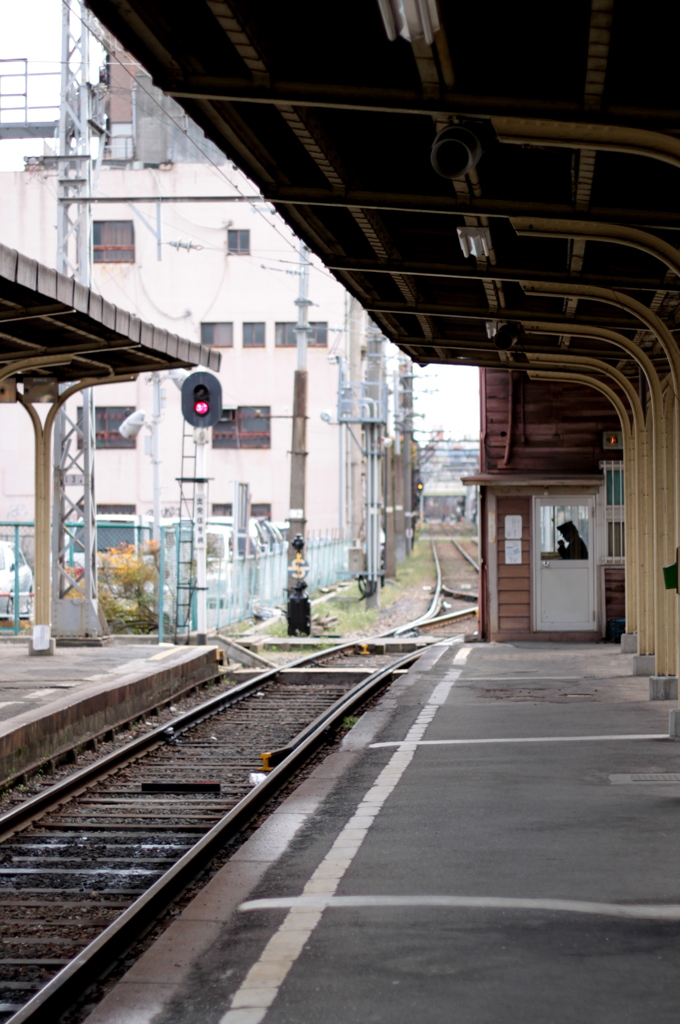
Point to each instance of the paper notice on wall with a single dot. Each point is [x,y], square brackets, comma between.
[513,552]
[513,527]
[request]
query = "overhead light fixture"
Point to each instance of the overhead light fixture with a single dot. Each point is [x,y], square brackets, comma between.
[475,241]
[456,151]
[410,19]
[507,336]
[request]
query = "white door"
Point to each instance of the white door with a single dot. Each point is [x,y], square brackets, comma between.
[564,564]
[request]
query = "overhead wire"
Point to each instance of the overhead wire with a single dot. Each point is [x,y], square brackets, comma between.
[207,157]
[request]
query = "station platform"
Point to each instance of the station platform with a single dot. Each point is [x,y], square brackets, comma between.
[496,841]
[48,705]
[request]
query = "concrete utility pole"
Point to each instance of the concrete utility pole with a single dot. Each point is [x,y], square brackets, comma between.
[374,427]
[356,317]
[155,454]
[390,552]
[406,372]
[298,453]
[398,477]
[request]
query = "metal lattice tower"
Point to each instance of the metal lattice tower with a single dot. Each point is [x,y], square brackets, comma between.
[75,609]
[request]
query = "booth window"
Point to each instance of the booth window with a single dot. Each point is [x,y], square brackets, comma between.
[614,513]
[113,241]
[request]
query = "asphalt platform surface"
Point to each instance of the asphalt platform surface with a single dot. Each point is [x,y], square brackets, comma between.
[27,683]
[531,878]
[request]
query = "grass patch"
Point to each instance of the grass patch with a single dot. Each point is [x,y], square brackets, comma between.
[349,721]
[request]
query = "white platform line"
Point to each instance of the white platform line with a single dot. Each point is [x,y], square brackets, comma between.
[638,911]
[408,744]
[260,986]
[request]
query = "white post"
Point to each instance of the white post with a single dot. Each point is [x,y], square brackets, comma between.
[201,436]
[155,456]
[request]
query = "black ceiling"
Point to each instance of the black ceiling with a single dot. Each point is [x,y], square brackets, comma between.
[335,123]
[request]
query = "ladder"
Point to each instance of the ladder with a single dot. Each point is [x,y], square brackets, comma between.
[184,544]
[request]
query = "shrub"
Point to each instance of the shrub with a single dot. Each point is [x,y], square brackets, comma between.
[128,585]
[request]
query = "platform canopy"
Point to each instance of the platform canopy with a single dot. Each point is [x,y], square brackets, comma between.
[52,326]
[333,112]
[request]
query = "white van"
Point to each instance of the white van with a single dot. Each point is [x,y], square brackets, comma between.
[8,571]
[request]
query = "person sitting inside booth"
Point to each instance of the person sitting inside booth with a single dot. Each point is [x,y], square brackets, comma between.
[574,546]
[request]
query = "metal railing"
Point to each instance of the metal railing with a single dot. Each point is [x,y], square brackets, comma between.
[242,587]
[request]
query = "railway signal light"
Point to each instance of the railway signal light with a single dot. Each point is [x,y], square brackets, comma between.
[201,399]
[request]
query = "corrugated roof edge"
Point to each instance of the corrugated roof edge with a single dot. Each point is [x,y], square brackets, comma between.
[47,283]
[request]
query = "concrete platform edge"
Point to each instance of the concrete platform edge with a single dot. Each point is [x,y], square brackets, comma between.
[29,739]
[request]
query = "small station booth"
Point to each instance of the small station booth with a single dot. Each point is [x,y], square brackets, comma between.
[552,512]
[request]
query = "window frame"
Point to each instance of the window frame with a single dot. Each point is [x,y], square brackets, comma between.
[238,250]
[101,248]
[254,324]
[215,324]
[121,413]
[238,437]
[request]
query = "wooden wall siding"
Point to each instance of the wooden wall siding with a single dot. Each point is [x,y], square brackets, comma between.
[615,592]
[514,581]
[556,427]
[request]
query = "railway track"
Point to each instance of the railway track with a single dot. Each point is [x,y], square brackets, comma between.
[89,863]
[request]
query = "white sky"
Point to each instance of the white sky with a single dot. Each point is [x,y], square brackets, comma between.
[447,397]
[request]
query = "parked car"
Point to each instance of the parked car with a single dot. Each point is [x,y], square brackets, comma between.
[8,571]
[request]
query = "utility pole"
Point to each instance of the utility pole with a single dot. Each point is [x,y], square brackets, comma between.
[298,454]
[354,456]
[406,371]
[390,552]
[75,607]
[155,454]
[398,477]
[374,427]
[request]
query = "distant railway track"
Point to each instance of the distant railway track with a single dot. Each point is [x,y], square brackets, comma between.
[89,863]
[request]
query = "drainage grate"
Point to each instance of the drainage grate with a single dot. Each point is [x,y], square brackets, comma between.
[645,777]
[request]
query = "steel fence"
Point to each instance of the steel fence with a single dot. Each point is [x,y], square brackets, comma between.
[243,587]
[237,589]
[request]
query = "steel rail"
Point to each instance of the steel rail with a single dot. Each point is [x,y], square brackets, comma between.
[434,603]
[70,983]
[463,552]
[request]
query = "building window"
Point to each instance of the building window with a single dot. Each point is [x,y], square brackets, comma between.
[217,335]
[285,335]
[317,336]
[116,510]
[261,511]
[113,241]
[238,243]
[614,512]
[221,508]
[245,427]
[253,335]
[107,419]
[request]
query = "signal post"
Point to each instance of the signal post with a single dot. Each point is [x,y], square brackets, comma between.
[201,408]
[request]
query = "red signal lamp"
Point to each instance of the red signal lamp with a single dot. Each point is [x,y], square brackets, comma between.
[201,408]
